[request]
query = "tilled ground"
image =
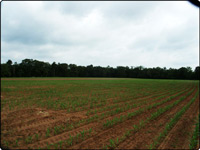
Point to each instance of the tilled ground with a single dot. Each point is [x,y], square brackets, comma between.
[20,127]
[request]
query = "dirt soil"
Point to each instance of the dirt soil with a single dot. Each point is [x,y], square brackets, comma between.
[177,137]
[20,124]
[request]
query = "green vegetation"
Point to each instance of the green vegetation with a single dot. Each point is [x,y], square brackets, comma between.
[71,140]
[103,102]
[37,136]
[57,130]
[115,120]
[28,139]
[35,68]
[48,132]
[195,136]
[171,123]
[153,116]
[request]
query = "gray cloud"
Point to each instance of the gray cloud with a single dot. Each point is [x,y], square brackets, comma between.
[102,33]
[20,25]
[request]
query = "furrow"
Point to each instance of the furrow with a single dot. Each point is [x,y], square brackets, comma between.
[104,135]
[153,128]
[179,136]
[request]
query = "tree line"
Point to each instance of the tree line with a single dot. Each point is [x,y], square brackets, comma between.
[35,68]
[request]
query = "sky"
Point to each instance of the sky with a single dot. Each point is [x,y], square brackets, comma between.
[101,33]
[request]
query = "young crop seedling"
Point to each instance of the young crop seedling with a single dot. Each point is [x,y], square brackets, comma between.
[60,144]
[16,142]
[37,136]
[113,102]
[57,130]
[6,143]
[48,132]
[195,136]
[77,137]
[82,134]
[48,145]
[56,145]
[170,124]
[112,143]
[70,141]
[28,139]
[90,131]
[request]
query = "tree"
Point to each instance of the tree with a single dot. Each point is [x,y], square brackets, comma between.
[5,71]
[9,62]
[36,68]
[197,73]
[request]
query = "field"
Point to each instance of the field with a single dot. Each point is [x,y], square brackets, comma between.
[91,113]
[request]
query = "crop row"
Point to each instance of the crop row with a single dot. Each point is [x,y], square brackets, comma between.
[115,120]
[128,101]
[70,141]
[128,106]
[63,128]
[67,98]
[118,110]
[142,123]
[171,123]
[195,136]
[122,100]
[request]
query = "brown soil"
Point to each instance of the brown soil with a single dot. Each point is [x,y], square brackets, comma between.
[27,121]
[95,126]
[179,136]
[131,100]
[103,136]
[22,123]
[152,129]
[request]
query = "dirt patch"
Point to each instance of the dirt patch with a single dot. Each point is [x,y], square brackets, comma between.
[42,113]
[25,122]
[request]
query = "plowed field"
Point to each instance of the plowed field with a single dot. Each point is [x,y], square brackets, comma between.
[92,113]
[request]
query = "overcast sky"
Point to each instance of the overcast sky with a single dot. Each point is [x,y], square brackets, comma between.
[114,33]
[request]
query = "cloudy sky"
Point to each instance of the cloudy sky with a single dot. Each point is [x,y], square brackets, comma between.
[114,33]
